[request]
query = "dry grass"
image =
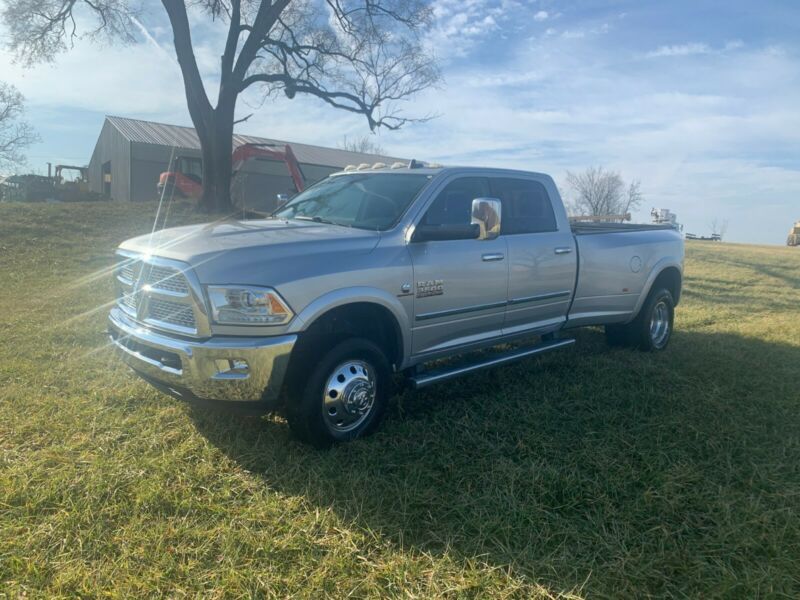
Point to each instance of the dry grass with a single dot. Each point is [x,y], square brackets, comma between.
[593,472]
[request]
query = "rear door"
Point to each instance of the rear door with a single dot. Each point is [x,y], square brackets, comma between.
[460,285]
[542,259]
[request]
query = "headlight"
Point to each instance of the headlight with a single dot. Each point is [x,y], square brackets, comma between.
[247,305]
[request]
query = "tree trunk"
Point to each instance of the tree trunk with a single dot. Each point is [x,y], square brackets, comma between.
[217,147]
[214,126]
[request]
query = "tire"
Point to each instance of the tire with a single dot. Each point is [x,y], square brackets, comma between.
[344,397]
[652,328]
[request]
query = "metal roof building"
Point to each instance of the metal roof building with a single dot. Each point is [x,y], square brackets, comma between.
[130,154]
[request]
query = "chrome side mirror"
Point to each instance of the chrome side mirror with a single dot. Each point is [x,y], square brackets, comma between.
[486,214]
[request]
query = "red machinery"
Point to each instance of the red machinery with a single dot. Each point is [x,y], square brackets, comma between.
[186,180]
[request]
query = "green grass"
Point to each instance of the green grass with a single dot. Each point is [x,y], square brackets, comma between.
[592,472]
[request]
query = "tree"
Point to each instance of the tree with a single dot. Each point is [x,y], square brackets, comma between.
[361,56]
[15,133]
[718,227]
[364,145]
[596,192]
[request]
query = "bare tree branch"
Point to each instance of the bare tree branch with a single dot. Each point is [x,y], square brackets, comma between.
[364,145]
[596,192]
[15,133]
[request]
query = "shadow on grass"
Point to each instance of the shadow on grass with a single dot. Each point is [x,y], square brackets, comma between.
[628,474]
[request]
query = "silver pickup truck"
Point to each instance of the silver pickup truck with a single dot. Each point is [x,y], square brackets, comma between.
[381,270]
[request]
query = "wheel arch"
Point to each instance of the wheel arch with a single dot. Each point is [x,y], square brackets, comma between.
[667,273]
[367,312]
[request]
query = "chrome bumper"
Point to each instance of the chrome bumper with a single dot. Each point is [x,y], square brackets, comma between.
[219,368]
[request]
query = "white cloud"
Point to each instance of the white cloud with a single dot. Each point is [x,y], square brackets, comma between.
[680,50]
[693,48]
[542,15]
[461,24]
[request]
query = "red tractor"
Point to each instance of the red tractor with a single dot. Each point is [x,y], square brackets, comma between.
[186,180]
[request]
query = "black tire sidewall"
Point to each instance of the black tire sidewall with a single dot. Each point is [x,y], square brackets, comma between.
[304,411]
[645,340]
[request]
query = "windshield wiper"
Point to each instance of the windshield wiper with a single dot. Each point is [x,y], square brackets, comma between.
[316,220]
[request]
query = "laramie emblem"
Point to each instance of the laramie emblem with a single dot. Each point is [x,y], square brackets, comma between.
[432,287]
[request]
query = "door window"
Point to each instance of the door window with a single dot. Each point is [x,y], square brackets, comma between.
[526,206]
[191,167]
[453,205]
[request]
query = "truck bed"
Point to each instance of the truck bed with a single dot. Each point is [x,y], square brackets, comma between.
[595,228]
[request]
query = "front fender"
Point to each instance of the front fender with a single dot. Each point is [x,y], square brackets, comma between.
[350,295]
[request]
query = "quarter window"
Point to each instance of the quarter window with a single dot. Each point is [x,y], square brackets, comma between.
[526,206]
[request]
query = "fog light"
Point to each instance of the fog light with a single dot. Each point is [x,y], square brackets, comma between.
[231,366]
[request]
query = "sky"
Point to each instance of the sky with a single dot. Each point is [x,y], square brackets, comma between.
[698,100]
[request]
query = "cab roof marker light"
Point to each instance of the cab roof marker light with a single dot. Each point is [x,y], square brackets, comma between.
[379,165]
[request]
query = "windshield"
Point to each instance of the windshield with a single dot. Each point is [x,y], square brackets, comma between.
[362,200]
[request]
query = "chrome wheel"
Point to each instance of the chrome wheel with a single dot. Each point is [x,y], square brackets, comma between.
[349,396]
[659,324]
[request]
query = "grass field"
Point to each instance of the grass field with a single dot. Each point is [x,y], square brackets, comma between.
[588,473]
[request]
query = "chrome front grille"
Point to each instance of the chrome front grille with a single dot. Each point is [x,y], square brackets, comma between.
[165,278]
[170,312]
[128,272]
[129,300]
[160,293]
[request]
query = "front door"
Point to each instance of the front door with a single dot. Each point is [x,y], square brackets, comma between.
[460,285]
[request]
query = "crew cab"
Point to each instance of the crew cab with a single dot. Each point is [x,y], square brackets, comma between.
[377,271]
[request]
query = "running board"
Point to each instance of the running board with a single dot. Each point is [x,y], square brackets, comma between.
[426,378]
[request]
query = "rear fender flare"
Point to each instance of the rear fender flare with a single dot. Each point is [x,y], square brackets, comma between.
[657,269]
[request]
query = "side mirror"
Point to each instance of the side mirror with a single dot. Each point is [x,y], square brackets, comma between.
[433,233]
[280,200]
[486,214]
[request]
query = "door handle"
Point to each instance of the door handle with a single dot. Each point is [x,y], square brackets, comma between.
[563,250]
[493,256]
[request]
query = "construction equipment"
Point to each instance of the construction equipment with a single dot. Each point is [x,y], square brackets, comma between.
[75,189]
[794,235]
[83,174]
[186,178]
[664,216]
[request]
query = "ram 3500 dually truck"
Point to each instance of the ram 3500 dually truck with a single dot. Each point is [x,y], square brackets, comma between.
[378,271]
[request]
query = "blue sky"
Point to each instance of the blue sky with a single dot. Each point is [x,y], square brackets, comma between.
[700,100]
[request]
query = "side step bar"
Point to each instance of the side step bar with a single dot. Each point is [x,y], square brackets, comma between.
[426,378]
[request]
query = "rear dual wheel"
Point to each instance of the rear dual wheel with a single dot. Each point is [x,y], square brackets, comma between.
[651,330]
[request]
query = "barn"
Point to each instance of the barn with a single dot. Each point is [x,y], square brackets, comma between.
[130,155]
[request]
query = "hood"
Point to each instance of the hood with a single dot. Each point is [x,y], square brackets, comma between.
[240,251]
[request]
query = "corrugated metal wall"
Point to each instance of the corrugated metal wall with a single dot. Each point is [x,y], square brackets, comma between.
[257,185]
[114,148]
[136,166]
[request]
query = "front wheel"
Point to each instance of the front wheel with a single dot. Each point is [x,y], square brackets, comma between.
[651,330]
[344,397]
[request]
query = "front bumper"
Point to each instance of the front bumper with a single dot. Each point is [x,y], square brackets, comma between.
[234,369]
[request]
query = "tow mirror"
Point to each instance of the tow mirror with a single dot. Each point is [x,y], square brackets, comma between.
[486,214]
